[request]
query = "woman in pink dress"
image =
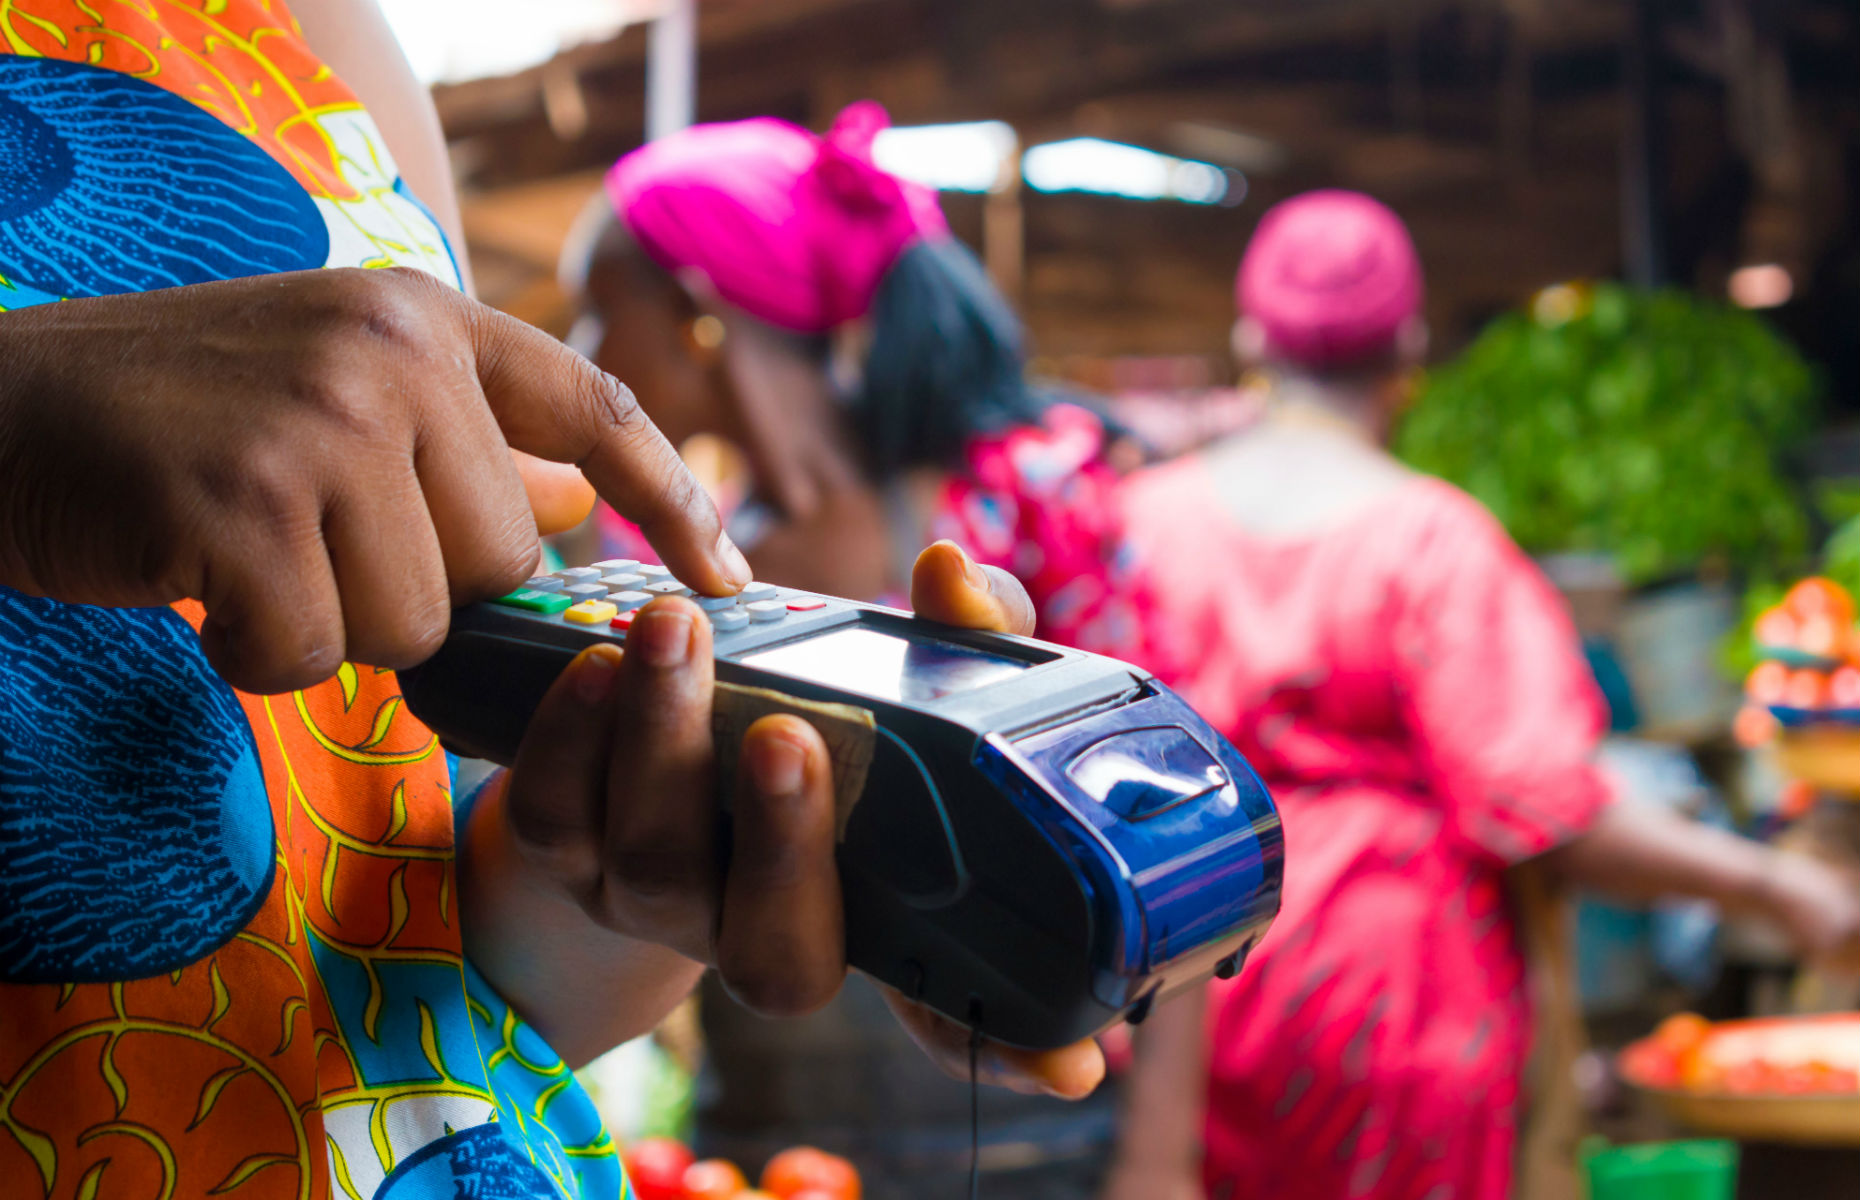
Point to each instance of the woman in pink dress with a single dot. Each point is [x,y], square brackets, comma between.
[1409,686]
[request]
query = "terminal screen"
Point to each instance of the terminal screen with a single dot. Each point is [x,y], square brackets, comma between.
[888,667]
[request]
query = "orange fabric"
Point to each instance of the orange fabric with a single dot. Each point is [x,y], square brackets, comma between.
[326,1035]
[245,63]
[120,1074]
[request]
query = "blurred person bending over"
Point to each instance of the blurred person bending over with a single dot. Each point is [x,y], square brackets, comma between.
[777,289]
[760,283]
[248,940]
[1409,686]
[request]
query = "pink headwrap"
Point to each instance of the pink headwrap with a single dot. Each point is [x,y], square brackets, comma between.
[1331,276]
[794,229]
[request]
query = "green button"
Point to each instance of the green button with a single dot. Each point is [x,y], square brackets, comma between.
[535,601]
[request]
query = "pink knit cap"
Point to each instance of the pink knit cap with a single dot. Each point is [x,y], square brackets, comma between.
[794,229]
[1331,276]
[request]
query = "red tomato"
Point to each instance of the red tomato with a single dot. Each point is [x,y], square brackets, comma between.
[805,1169]
[1820,635]
[714,1179]
[1767,683]
[1807,689]
[1753,727]
[1844,687]
[1795,799]
[656,1166]
[1750,1078]
[1775,628]
[1840,1079]
[813,1194]
[1650,1065]
[1798,1081]
[1682,1033]
[1816,596]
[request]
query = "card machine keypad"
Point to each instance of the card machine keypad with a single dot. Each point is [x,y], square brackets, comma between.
[610,592]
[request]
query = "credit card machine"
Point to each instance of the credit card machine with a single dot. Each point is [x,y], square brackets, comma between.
[1048,840]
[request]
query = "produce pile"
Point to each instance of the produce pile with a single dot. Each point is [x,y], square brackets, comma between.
[1781,1056]
[665,1169]
[1649,426]
[1808,668]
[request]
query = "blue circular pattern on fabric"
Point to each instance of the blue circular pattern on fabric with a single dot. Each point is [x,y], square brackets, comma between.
[86,209]
[35,164]
[135,832]
[477,1162]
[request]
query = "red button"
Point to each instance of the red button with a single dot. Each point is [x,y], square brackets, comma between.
[625,619]
[805,605]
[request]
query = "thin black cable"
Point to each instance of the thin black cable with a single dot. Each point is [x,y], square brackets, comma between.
[975,1115]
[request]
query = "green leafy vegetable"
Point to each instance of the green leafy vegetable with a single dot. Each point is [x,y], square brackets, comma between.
[1648,426]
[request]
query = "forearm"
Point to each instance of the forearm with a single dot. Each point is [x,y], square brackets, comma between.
[583,987]
[24,334]
[1639,853]
[1165,1092]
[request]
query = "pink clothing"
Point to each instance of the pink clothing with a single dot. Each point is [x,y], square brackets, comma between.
[1331,276]
[1410,688]
[1040,502]
[794,229]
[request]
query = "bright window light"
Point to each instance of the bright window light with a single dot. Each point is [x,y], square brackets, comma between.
[950,158]
[449,41]
[1765,286]
[1117,169]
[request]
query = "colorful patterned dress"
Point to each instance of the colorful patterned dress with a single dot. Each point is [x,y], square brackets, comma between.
[1411,689]
[229,925]
[1041,502]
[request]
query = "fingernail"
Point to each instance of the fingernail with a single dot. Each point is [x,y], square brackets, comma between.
[735,566]
[977,577]
[663,636]
[595,674]
[776,765]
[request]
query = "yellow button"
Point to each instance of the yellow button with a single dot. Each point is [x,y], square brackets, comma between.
[590,612]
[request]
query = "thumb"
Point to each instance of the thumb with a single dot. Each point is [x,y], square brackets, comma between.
[553,403]
[949,586]
[560,496]
[558,782]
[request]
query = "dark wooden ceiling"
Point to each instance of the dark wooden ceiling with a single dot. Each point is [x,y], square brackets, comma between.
[1494,126]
